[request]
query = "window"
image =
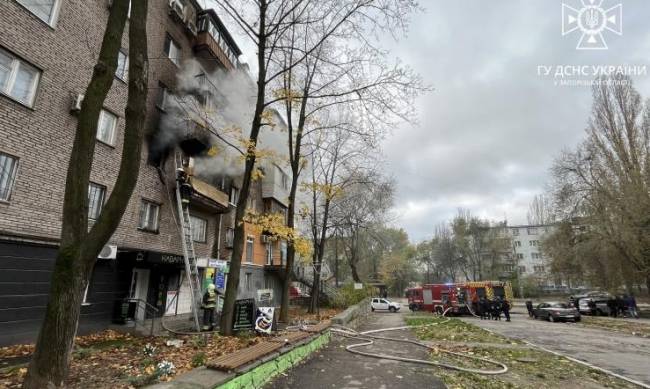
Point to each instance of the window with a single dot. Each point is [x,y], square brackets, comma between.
[122,71]
[520,256]
[535,255]
[234,195]
[532,231]
[515,231]
[533,243]
[230,237]
[8,168]
[538,269]
[283,252]
[252,204]
[106,127]
[46,10]
[199,229]
[96,194]
[522,269]
[518,243]
[508,268]
[269,253]
[172,50]
[283,178]
[163,98]
[149,215]
[18,79]
[249,249]
[248,281]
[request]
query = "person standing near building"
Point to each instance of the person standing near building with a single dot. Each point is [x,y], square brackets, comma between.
[506,309]
[209,305]
[632,308]
[529,308]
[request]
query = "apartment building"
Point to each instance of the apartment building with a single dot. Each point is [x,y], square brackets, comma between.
[530,261]
[47,52]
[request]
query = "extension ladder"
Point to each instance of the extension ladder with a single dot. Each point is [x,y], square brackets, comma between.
[189,255]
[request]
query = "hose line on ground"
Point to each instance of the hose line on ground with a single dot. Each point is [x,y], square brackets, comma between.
[367,339]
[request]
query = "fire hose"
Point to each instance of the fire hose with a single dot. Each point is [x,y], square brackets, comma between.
[368,340]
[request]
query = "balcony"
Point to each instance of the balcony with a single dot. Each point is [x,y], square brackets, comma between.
[194,138]
[208,197]
[275,185]
[215,39]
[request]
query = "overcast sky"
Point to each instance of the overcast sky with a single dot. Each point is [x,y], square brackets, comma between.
[489,132]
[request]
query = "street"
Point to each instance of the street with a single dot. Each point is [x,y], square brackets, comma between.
[334,367]
[624,354]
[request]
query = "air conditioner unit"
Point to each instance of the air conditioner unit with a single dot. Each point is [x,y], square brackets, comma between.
[191,28]
[108,252]
[75,105]
[176,10]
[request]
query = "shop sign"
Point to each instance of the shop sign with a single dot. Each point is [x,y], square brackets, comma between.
[264,295]
[264,320]
[243,318]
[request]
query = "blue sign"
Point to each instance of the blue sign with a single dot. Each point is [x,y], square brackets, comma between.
[221,280]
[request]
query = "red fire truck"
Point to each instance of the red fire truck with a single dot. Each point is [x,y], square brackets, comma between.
[457,297]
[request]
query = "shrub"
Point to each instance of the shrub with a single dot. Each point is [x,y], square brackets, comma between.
[348,295]
[198,359]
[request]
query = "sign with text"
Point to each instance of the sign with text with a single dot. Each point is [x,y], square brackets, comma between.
[265,295]
[243,317]
[264,320]
[358,285]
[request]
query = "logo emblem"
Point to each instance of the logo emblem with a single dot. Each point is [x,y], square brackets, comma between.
[593,21]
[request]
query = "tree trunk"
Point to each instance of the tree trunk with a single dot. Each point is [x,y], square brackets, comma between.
[49,364]
[315,290]
[232,285]
[291,251]
[355,274]
[79,248]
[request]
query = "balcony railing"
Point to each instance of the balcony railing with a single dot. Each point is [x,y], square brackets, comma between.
[211,39]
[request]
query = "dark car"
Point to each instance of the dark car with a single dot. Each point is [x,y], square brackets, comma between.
[556,312]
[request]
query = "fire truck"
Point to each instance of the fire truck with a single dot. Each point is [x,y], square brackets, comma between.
[456,298]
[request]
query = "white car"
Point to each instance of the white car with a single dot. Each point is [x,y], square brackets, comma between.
[380,304]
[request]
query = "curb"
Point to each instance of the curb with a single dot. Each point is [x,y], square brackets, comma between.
[255,374]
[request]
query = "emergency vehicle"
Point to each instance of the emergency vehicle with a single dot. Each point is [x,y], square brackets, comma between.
[456,298]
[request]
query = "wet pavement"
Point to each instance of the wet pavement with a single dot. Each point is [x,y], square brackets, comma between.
[626,355]
[334,367]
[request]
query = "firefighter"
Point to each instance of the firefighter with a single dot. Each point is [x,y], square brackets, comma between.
[529,307]
[483,308]
[184,185]
[506,309]
[209,305]
[496,309]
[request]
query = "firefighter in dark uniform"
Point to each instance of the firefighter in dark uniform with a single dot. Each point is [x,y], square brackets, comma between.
[529,307]
[209,305]
[184,185]
[506,309]
[484,308]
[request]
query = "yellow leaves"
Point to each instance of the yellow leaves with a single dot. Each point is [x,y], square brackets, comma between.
[257,174]
[267,118]
[330,191]
[287,94]
[213,151]
[275,226]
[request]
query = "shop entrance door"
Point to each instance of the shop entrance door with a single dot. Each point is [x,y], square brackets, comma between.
[138,290]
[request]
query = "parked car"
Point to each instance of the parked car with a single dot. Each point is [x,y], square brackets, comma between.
[554,311]
[381,304]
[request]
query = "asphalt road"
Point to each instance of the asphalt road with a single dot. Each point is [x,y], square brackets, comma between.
[623,354]
[334,367]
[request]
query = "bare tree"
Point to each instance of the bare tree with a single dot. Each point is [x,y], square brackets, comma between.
[80,246]
[540,211]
